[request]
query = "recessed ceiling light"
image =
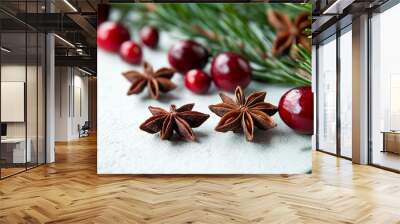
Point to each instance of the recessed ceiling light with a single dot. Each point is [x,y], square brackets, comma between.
[5,50]
[337,7]
[64,40]
[84,71]
[70,5]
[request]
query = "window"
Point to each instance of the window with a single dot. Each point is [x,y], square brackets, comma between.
[346,92]
[385,89]
[327,95]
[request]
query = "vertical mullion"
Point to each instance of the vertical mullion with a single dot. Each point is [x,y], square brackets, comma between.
[338,73]
[26,86]
[73,92]
[0,91]
[37,89]
[317,96]
[69,93]
[46,3]
[369,78]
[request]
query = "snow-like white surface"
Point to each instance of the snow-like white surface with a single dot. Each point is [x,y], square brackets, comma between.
[124,149]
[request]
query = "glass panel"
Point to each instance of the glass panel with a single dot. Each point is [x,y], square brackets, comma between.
[31,100]
[346,94]
[13,89]
[327,96]
[385,84]
[22,88]
[31,87]
[41,99]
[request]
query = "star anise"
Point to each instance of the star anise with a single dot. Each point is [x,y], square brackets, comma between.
[243,114]
[289,32]
[181,120]
[158,81]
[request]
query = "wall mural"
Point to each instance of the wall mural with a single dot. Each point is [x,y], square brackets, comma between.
[204,88]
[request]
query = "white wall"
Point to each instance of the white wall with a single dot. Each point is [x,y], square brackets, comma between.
[12,73]
[33,127]
[71,102]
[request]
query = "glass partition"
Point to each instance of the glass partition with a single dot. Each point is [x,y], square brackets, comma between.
[22,77]
[41,97]
[14,155]
[32,96]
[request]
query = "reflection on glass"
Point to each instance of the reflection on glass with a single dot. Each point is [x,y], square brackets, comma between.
[385,89]
[31,101]
[346,93]
[22,90]
[41,99]
[327,96]
[14,153]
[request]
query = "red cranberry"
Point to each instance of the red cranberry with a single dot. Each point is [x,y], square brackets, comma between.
[149,36]
[187,55]
[110,36]
[229,70]
[197,81]
[296,109]
[103,10]
[131,52]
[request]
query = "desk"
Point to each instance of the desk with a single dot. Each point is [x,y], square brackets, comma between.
[391,141]
[15,148]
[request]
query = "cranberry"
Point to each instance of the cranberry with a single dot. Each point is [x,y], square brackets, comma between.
[131,52]
[229,70]
[187,55]
[103,10]
[197,81]
[296,109]
[149,36]
[110,36]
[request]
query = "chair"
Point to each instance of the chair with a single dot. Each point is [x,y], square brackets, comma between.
[84,130]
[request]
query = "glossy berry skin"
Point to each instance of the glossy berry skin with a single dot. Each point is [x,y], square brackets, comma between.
[197,81]
[110,36]
[296,109]
[229,70]
[149,36]
[186,55]
[131,52]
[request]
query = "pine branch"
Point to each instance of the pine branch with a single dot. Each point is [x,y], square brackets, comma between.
[241,28]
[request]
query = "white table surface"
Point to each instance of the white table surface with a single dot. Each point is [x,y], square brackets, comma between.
[19,149]
[12,140]
[124,149]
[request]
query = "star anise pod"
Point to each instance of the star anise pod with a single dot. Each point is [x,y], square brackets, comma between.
[156,82]
[181,120]
[243,114]
[289,32]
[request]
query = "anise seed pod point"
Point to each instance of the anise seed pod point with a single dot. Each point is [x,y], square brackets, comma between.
[156,82]
[180,120]
[289,32]
[244,113]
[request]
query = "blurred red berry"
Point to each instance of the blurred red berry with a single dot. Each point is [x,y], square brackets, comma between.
[197,81]
[131,52]
[110,36]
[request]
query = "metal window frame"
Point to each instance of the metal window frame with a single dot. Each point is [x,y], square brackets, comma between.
[338,153]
